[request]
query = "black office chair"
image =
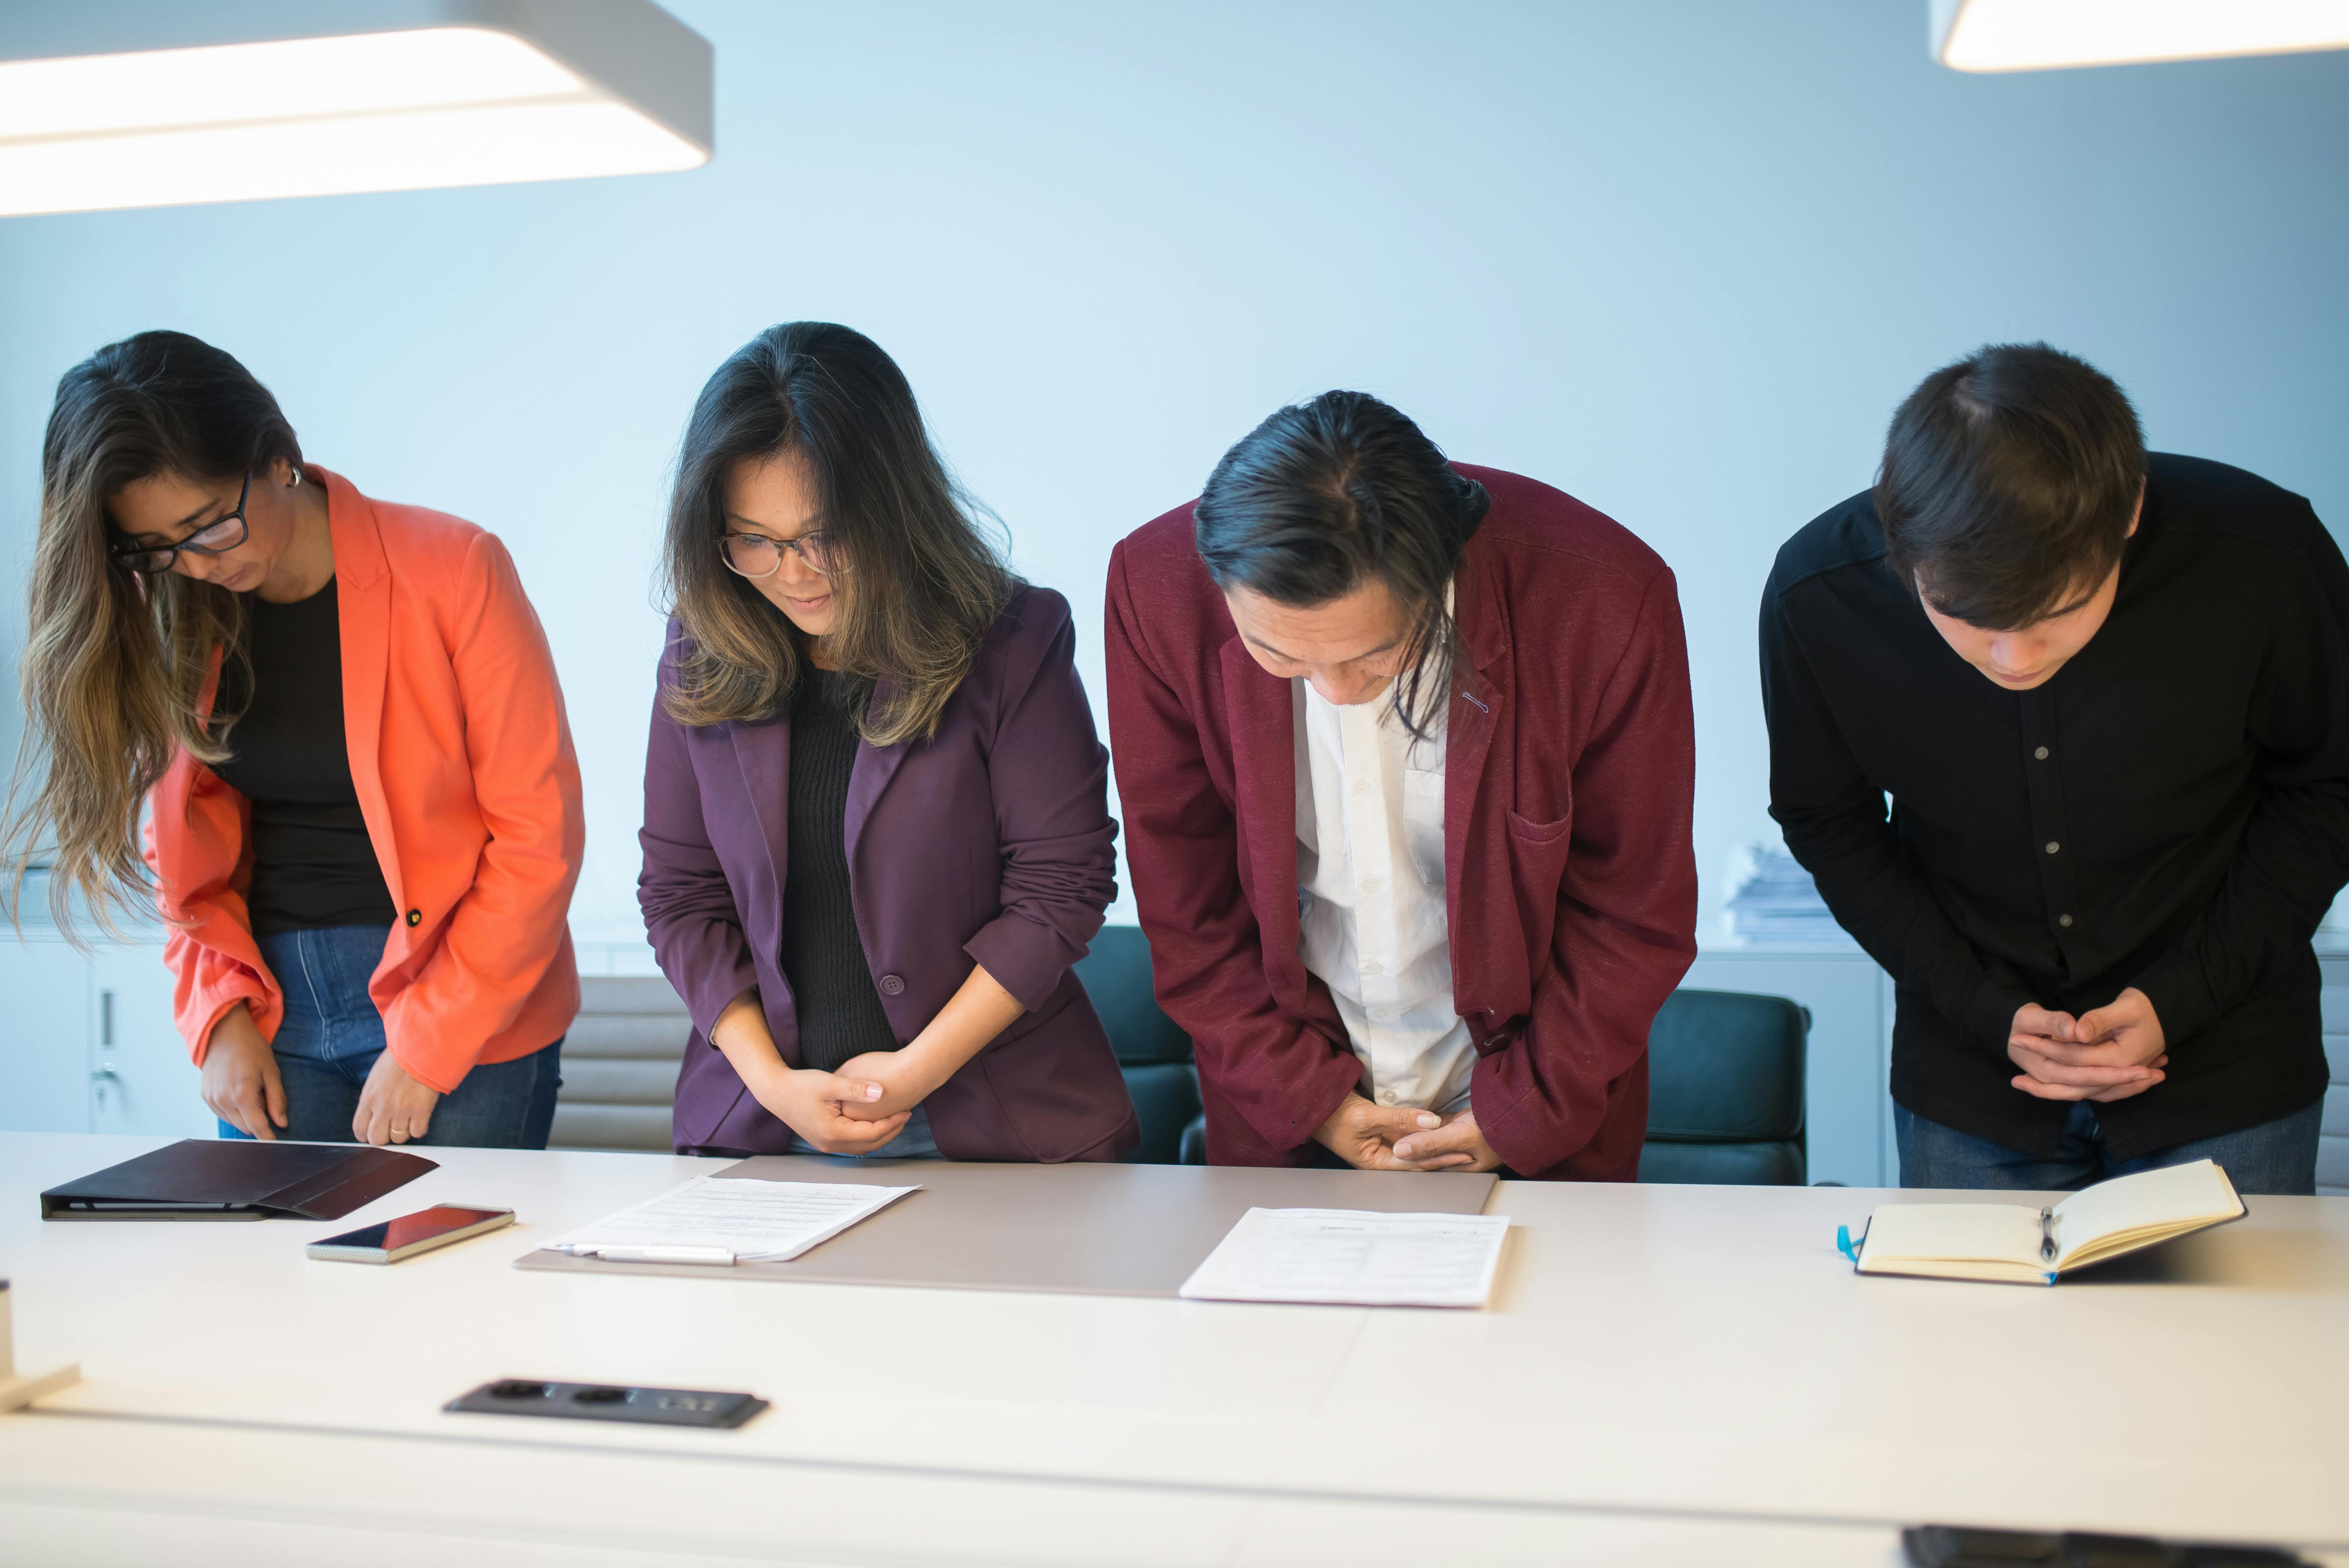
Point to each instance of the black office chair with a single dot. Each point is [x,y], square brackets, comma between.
[1153,1053]
[1725,1090]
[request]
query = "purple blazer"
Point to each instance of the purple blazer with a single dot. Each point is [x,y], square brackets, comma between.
[988,843]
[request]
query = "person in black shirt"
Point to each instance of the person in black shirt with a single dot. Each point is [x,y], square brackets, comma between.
[2107,694]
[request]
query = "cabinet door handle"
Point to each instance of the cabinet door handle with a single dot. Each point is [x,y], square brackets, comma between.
[105,1019]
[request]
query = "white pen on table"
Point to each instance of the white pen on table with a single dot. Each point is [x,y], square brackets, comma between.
[718,1256]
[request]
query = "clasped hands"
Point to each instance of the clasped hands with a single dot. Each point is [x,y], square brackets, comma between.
[1398,1137]
[2109,1054]
[854,1109]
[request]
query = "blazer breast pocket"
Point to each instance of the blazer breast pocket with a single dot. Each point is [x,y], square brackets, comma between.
[1539,835]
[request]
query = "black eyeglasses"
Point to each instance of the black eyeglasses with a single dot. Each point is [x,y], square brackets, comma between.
[756,555]
[213,539]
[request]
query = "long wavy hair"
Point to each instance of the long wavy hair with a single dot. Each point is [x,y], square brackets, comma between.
[919,584]
[115,664]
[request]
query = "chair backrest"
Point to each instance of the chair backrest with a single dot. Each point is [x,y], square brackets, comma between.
[1153,1051]
[1725,1090]
[619,1065]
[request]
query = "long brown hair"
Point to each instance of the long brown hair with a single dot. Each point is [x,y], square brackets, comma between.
[919,585]
[115,664]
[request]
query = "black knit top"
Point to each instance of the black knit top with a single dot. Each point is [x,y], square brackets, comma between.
[840,1013]
[313,863]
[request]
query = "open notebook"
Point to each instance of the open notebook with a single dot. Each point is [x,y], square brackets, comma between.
[2014,1244]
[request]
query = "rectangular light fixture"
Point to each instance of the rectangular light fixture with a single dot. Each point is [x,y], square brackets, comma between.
[2046,35]
[151,103]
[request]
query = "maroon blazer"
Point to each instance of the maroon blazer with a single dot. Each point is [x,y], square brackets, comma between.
[988,843]
[1569,875]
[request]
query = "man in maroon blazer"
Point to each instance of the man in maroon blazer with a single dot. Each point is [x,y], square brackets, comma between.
[1405,758]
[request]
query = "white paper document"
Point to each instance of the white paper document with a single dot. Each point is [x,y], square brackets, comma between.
[1350,1257]
[714,1221]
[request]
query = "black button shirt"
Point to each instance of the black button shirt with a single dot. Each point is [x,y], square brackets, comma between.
[2170,810]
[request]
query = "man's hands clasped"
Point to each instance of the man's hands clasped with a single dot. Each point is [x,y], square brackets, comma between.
[2110,1054]
[1397,1138]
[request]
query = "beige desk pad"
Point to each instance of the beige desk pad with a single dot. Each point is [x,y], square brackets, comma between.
[1087,1230]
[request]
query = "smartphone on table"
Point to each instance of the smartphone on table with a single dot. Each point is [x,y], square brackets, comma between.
[409,1234]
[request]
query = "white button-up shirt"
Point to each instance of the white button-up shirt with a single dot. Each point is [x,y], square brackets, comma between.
[1372,921]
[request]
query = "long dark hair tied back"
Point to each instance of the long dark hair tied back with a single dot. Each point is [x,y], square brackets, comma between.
[1342,489]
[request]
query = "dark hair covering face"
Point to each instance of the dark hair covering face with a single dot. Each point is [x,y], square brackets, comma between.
[919,587]
[1327,495]
[114,664]
[2009,484]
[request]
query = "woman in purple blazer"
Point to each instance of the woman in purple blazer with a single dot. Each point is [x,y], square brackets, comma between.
[876,823]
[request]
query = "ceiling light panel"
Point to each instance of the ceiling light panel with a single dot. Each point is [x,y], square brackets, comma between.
[424,93]
[2045,34]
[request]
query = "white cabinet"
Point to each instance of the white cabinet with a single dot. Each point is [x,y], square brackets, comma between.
[141,1080]
[44,1036]
[86,1042]
[1848,1110]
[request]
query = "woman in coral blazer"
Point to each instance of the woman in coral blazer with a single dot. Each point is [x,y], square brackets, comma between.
[365,813]
[876,819]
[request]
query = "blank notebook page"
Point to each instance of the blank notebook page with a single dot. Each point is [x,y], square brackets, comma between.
[1956,1232]
[2113,1214]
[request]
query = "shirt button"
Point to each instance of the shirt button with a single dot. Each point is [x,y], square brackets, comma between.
[1386,1096]
[892,985]
[1362,786]
[2041,754]
[1381,1013]
[1369,966]
[2052,846]
[2064,920]
[1370,884]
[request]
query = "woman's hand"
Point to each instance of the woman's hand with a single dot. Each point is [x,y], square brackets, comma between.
[393,1107]
[905,1077]
[980,1010]
[240,1081]
[812,1104]
[817,1106]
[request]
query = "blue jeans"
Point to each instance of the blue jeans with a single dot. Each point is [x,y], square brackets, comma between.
[331,1035]
[913,1142]
[2277,1156]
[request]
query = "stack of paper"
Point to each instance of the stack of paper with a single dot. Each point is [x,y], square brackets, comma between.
[1348,1257]
[714,1220]
[1775,900]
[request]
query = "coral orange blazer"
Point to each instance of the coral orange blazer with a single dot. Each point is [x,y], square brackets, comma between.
[463,760]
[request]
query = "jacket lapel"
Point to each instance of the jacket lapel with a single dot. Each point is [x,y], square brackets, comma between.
[763,751]
[363,606]
[874,766]
[1262,711]
[1476,716]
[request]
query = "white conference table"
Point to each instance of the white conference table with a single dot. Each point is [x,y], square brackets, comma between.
[1667,1374]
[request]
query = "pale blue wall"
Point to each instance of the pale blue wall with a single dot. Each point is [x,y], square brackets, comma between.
[1678,258]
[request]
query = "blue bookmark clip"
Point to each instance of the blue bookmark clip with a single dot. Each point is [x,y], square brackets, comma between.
[1845,1245]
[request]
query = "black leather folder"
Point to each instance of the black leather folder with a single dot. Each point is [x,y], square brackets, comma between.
[236,1179]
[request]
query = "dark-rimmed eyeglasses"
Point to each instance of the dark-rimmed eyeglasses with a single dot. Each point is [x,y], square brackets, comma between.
[756,555]
[213,539]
